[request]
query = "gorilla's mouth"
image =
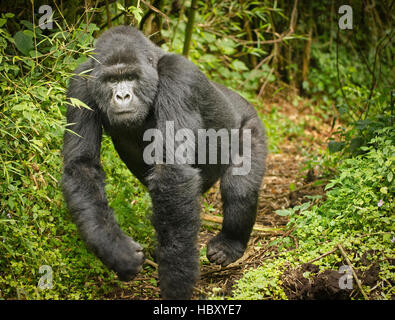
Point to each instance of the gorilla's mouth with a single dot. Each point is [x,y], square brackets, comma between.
[126,111]
[125,117]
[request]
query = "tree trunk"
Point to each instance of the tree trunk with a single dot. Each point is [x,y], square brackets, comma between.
[306,58]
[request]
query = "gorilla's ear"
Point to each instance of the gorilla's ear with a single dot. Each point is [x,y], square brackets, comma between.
[182,89]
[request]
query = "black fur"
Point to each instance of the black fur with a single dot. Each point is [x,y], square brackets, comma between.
[166,87]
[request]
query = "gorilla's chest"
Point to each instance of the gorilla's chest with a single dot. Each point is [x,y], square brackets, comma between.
[130,150]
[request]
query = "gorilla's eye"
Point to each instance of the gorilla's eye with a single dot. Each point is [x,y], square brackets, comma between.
[131,77]
[112,79]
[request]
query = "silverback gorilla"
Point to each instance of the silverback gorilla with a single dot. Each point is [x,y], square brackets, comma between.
[133,87]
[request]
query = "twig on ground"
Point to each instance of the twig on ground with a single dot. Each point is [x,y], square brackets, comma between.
[353,272]
[151,263]
[257,227]
[323,255]
[234,265]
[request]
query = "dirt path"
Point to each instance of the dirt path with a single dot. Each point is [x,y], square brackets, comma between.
[283,170]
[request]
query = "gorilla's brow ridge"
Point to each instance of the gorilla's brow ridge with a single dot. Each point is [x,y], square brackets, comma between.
[119,70]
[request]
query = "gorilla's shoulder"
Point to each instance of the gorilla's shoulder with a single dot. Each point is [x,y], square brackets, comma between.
[175,66]
[172,61]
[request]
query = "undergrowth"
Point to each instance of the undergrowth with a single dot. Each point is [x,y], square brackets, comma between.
[358,214]
[35,228]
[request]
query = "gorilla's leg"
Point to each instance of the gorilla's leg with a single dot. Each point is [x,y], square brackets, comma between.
[175,191]
[239,196]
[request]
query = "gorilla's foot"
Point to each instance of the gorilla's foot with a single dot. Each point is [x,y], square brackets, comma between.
[223,251]
[125,257]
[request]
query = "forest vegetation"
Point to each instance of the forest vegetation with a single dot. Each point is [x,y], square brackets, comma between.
[321,80]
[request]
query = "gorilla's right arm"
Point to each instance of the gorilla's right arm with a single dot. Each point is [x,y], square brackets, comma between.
[83,186]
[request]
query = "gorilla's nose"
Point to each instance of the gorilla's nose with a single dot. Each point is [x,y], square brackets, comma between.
[123,98]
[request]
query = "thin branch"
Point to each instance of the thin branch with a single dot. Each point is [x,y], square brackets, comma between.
[353,272]
[323,255]
[378,48]
[257,227]
[268,58]
[151,263]
[157,11]
[265,83]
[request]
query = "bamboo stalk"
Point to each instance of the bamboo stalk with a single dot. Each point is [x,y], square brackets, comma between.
[189,28]
[109,24]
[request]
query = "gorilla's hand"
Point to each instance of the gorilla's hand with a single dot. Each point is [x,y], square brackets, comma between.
[125,257]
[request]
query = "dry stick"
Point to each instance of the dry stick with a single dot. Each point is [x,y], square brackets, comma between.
[323,255]
[257,227]
[353,272]
[234,265]
[151,263]
[281,38]
[265,83]
[268,58]
[158,12]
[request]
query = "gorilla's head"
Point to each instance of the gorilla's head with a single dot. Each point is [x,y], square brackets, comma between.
[124,76]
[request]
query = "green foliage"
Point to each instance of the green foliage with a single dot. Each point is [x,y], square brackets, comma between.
[358,213]
[261,283]
[219,49]
[35,229]
[363,105]
[361,196]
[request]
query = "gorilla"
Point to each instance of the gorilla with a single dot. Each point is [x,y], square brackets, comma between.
[132,86]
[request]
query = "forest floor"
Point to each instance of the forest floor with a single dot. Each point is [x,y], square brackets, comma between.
[283,169]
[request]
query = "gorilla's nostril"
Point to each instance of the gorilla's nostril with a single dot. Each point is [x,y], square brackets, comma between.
[120,97]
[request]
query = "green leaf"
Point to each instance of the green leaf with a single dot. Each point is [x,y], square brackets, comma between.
[335,146]
[227,46]
[284,212]
[330,185]
[23,42]
[390,176]
[384,190]
[137,13]
[356,143]
[35,54]
[304,206]
[78,103]
[239,65]
[120,7]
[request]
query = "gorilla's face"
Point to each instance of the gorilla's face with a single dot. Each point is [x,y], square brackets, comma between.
[125,90]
